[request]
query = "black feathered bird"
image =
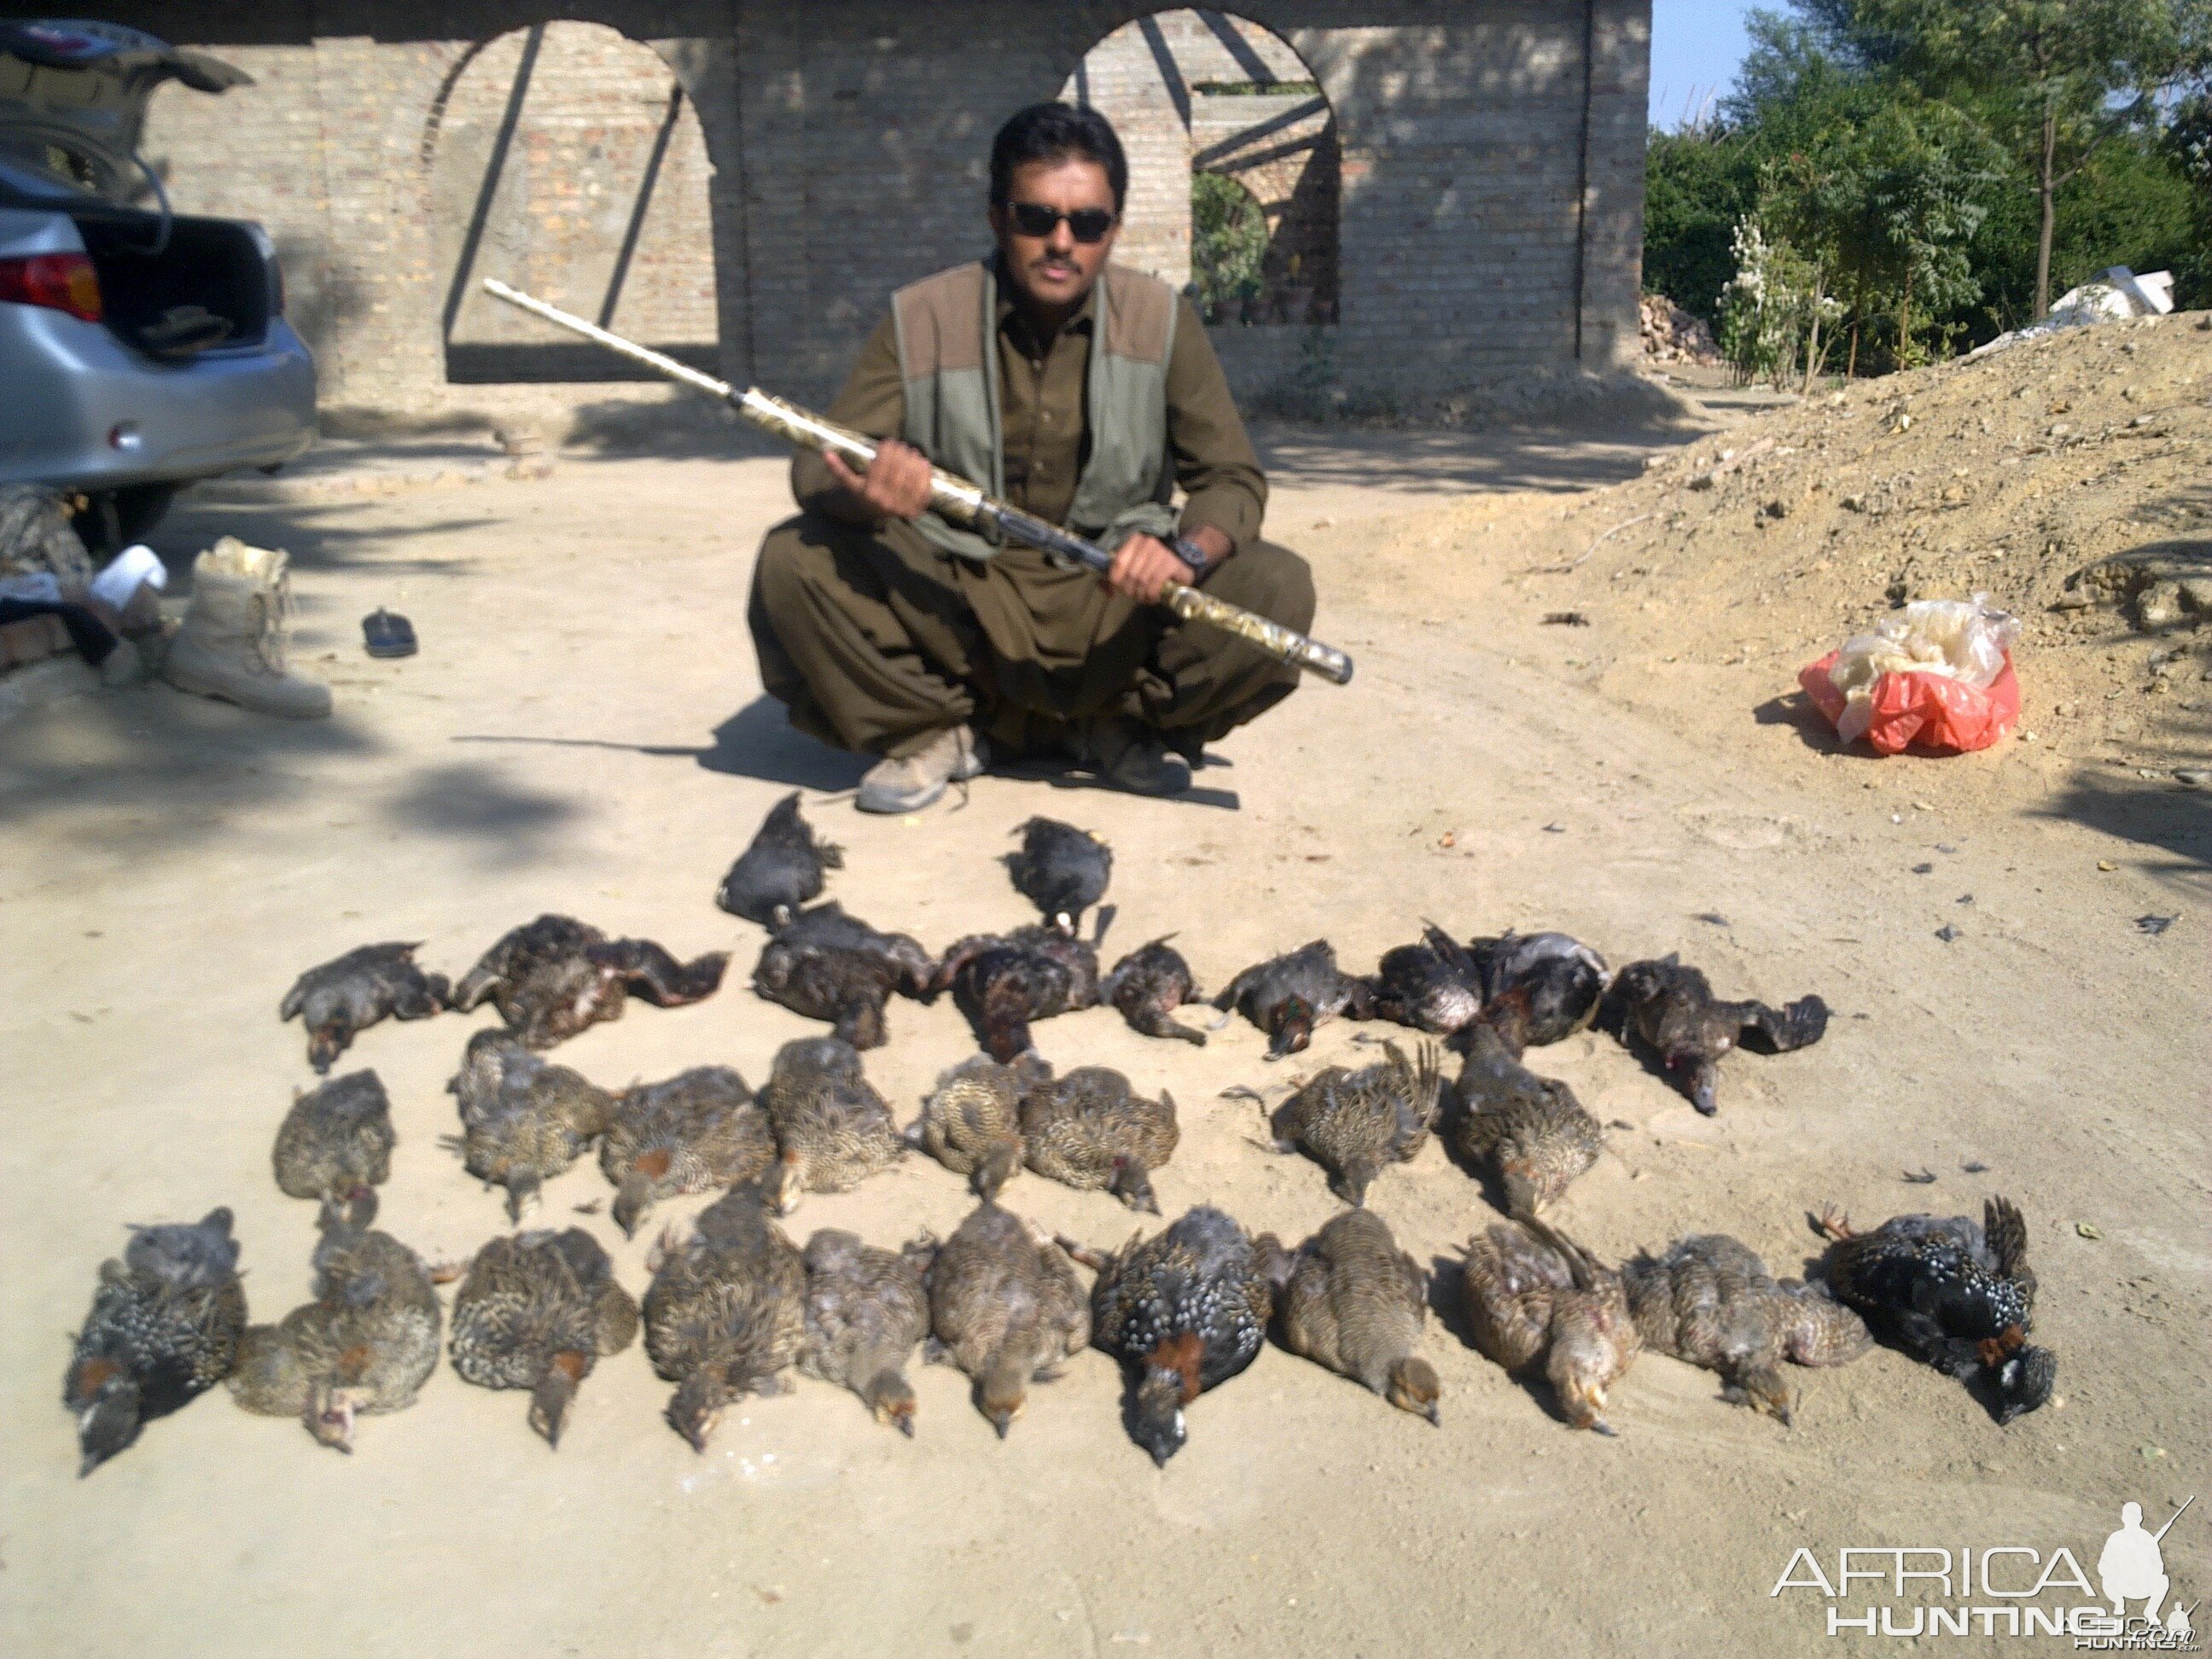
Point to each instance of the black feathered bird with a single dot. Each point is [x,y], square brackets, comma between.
[1060,869]
[1184,1310]
[1671,1007]
[781,869]
[1002,982]
[164,1328]
[1148,984]
[1287,996]
[1952,1295]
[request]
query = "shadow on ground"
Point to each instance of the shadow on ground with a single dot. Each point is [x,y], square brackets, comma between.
[471,801]
[756,742]
[1438,462]
[317,535]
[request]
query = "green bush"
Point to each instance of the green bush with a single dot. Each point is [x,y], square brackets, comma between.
[1228,245]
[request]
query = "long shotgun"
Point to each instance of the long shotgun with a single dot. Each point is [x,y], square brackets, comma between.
[962,503]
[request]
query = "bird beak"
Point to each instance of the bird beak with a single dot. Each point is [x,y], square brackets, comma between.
[1434,1416]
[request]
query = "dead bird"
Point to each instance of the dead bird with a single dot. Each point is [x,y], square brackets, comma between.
[699,1129]
[1092,1131]
[867,1309]
[827,965]
[1148,984]
[1533,1294]
[1184,1311]
[971,1123]
[1952,1295]
[1350,1299]
[337,1140]
[1710,1300]
[552,977]
[523,1120]
[164,1328]
[1434,986]
[351,992]
[1532,1130]
[1060,869]
[536,1311]
[1673,1009]
[1006,1307]
[832,1129]
[1003,981]
[781,870]
[1562,979]
[725,1315]
[1356,1124]
[1287,996]
[365,1346]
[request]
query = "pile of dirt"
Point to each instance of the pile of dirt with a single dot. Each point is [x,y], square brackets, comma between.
[2068,478]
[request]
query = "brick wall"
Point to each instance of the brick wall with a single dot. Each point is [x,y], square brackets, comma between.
[823,155]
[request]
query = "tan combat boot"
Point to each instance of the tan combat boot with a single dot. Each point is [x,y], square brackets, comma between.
[232,642]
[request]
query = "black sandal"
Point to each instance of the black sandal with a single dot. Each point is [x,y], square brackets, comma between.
[387,634]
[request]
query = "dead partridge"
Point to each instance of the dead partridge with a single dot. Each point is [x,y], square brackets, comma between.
[1534,1294]
[1350,1299]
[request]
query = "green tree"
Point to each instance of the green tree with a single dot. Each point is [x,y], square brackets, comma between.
[2053,80]
[1698,184]
[1228,245]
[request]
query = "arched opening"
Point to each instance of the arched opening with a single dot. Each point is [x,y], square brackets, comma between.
[1215,112]
[565,159]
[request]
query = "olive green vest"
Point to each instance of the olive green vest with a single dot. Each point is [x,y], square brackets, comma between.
[947,327]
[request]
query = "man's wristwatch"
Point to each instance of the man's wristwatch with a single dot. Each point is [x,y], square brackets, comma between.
[1192,555]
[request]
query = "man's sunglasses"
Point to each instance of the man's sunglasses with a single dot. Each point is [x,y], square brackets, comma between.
[1084,224]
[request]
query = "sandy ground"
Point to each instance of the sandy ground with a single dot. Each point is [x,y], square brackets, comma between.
[583,731]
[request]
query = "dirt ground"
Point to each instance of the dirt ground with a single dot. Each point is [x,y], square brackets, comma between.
[583,731]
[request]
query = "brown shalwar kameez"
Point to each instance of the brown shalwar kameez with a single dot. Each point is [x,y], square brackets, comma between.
[876,640]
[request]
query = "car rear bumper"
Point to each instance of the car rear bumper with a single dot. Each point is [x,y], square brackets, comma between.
[82,410]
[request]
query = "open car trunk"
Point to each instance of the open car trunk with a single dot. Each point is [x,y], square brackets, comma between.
[208,284]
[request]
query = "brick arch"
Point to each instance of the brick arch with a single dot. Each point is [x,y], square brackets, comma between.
[569,159]
[1179,85]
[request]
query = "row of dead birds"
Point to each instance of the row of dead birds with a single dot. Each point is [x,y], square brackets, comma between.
[734,1304]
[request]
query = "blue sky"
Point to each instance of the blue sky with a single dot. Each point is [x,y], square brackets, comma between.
[1696,45]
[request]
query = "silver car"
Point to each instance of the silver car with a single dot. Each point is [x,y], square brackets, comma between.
[141,349]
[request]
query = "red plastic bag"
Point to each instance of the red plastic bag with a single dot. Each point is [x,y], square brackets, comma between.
[1926,713]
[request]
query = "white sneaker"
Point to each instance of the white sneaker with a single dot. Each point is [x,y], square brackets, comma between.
[910,783]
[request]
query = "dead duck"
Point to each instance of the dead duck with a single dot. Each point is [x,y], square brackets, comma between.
[1672,1008]
[1532,1294]
[1432,987]
[971,1121]
[867,1309]
[337,1140]
[725,1315]
[1350,1299]
[1092,1131]
[351,992]
[827,965]
[523,1120]
[1952,1295]
[781,870]
[536,1311]
[1357,1123]
[697,1130]
[1003,981]
[832,1129]
[1005,1306]
[1562,980]
[1184,1311]
[552,977]
[365,1346]
[1287,996]
[164,1328]
[1148,984]
[1060,869]
[1708,1299]
[1531,1130]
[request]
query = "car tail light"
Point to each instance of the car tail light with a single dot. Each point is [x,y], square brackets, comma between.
[59,282]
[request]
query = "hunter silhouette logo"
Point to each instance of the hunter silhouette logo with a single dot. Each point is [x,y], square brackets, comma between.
[2006,1589]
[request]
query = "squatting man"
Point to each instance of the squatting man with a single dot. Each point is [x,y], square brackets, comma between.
[1083,392]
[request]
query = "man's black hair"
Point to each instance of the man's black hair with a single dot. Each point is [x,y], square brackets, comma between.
[1055,132]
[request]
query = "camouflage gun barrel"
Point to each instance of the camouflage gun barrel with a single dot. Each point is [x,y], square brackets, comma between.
[962,503]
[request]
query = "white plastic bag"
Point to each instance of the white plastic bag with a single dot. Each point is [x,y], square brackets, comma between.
[1963,640]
